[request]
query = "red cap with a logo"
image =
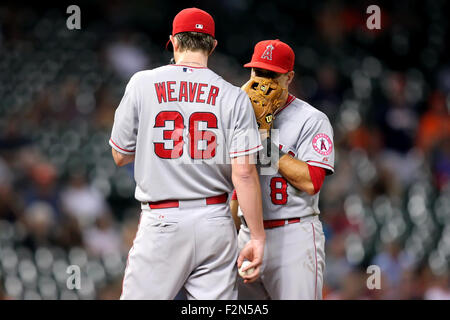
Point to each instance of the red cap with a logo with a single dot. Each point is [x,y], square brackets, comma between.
[272,55]
[193,20]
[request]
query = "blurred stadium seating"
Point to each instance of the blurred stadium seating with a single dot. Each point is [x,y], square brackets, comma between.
[387,93]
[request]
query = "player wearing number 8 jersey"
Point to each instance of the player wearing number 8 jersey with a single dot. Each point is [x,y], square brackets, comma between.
[295,259]
[183,125]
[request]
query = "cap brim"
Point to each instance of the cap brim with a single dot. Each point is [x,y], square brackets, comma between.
[265,66]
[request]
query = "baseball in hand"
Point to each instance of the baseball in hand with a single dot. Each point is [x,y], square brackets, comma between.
[247,272]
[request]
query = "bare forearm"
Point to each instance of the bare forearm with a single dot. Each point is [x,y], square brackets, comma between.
[296,172]
[249,195]
[122,159]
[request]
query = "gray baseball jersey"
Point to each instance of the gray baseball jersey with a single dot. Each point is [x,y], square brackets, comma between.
[183,124]
[294,257]
[306,134]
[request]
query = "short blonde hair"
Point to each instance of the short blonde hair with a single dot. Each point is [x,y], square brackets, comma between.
[195,41]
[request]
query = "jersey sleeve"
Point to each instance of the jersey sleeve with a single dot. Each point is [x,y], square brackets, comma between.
[245,138]
[316,145]
[125,127]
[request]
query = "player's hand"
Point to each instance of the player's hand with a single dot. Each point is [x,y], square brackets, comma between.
[253,252]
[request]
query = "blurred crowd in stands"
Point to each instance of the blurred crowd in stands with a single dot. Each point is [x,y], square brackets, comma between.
[387,93]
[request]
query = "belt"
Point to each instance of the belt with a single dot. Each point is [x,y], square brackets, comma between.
[269,224]
[176,203]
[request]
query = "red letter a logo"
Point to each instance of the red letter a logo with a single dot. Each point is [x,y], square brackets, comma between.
[267,53]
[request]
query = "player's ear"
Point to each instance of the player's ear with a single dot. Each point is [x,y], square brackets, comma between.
[174,41]
[214,47]
[290,77]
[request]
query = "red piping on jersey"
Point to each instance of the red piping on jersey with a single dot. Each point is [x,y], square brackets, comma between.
[120,147]
[247,149]
[234,196]
[315,255]
[288,102]
[183,65]
[321,163]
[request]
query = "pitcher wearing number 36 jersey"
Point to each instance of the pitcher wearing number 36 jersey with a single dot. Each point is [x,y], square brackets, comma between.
[171,117]
[182,124]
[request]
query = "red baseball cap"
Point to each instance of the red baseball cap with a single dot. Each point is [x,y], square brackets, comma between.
[193,20]
[272,55]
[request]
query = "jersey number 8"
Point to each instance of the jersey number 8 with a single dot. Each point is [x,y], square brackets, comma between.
[278,190]
[195,135]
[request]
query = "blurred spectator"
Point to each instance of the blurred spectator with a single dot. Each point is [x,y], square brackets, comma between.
[393,262]
[398,117]
[82,200]
[126,56]
[434,124]
[352,287]
[43,187]
[104,115]
[330,23]
[337,265]
[40,222]
[398,121]
[103,238]
[328,96]
[69,233]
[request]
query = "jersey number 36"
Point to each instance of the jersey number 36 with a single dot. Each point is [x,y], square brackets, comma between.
[195,135]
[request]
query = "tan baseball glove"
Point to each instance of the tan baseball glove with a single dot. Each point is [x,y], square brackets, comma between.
[267,96]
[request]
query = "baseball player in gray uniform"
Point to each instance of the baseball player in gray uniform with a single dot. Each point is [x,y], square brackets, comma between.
[294,259]
[183,125]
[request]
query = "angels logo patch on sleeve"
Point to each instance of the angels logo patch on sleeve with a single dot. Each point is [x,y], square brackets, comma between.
[322,144]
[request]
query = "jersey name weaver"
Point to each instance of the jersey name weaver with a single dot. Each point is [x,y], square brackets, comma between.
[171,91]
